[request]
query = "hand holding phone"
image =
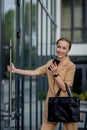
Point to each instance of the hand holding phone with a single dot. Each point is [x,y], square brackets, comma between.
[55,61]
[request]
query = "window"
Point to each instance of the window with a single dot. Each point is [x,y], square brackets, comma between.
[73,20]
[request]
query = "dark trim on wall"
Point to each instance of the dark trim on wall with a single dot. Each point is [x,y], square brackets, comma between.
[79,59]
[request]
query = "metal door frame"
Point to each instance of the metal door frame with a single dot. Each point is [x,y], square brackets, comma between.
[1,54]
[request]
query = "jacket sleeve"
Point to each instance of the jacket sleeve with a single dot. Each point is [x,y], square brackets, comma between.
[42,70]
[69,77]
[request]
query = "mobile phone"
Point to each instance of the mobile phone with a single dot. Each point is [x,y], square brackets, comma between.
[54,61]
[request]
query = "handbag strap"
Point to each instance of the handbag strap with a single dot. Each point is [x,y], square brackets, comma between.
[67,89]
[58,92]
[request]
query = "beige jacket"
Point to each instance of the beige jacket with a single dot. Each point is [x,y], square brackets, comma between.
[66,71]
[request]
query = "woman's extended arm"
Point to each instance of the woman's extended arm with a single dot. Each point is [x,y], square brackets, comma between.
[22,72]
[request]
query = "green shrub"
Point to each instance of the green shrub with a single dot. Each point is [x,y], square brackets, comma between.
[42,96]
[83,96]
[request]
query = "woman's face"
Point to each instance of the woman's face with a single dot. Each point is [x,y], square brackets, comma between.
[62,49]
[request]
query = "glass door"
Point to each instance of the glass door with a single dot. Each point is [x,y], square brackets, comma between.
[80,82]
[9,50]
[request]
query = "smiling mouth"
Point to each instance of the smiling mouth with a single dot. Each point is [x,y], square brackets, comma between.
[60,54]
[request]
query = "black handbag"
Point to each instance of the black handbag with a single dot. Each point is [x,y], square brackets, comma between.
[64,109]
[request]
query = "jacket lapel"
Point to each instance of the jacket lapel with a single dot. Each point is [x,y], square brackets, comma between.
[63,64]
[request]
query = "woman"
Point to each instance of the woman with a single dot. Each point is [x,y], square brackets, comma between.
[58,75]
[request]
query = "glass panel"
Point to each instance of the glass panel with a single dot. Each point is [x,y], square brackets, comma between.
[77,36]
[9,9]
[86,13]
[66,34]
[27,17]
[86,76]
[78,13]
[9,26]
[9,5]
[85,35]
[66,14]
[30,29]
[85,80]
[49,37]
[44,33]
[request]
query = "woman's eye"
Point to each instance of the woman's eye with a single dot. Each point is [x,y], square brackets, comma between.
[58,46]
[64,48]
